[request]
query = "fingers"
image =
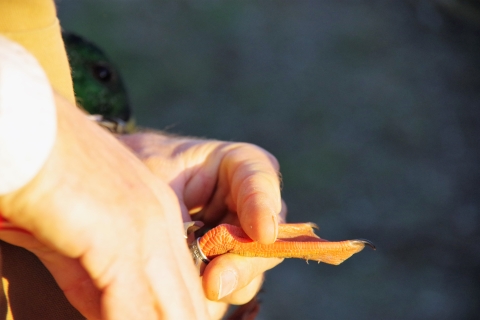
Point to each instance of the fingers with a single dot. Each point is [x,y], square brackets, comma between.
[173,277]
[255,190]
[213,177]
[216,309]
[76,284]
[283,212]
[245,294]
[94,202]
[248,183]
[230,182]
[235,279]
[141,303]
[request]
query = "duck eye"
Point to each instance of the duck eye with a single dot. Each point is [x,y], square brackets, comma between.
[102,73]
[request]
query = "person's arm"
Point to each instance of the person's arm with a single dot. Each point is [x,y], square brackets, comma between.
[41,36]
[220,182]
[109,232]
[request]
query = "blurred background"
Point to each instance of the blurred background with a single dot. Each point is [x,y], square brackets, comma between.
[372,109]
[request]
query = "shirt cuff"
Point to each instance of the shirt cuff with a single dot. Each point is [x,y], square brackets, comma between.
[28,123]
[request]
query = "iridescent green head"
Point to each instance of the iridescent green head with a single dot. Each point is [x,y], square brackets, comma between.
[98,86]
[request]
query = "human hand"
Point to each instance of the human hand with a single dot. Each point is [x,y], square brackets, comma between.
[220,182]
[108,230]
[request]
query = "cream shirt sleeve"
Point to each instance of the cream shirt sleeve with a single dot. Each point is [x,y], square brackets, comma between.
[27,116]
[34,25]
[33,61]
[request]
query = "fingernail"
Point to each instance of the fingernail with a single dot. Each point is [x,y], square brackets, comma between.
[228,283]
[275,227]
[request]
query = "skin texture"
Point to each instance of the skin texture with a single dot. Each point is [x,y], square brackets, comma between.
[220,182]
[90,191]
[95,215]
[74,230]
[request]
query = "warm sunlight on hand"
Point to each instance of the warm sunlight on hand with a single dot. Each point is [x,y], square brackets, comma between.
[106,228]
[220,182]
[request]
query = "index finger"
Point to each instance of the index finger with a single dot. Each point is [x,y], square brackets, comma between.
[255,190]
